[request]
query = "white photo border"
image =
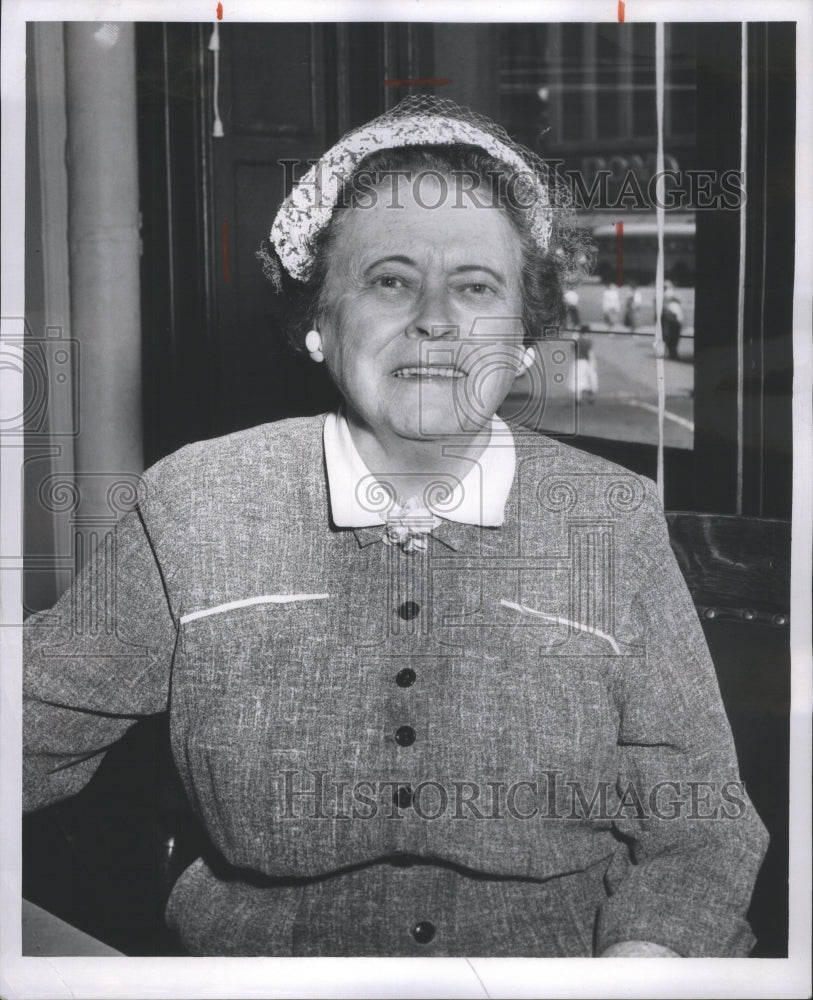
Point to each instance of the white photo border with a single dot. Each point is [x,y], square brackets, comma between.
[28,977]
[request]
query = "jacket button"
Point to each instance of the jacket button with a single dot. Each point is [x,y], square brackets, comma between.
[409,610]
[402,796]
[405,736]
[424,931]
[406,677]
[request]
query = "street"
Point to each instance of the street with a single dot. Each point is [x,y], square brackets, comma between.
[591,291]
[624,404]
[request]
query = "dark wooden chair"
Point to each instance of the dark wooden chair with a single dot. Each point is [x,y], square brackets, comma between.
[106,860]
[738,572]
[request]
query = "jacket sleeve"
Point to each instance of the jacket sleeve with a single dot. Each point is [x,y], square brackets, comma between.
[690,841]
[94,663]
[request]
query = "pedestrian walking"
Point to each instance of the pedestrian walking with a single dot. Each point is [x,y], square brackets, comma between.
[584,378]
[632,306]
[571,302]
[671,320]
[611,304]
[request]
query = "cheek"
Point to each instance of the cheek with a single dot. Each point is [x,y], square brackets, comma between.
[346,339]
[493,328]
[493,368]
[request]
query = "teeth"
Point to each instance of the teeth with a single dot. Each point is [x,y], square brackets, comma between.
[428,371]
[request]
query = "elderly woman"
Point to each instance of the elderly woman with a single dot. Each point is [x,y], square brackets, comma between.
[436,686]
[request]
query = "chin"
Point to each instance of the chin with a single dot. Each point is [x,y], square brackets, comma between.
[431,423]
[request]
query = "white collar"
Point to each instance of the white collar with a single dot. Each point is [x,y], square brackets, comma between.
[360,500]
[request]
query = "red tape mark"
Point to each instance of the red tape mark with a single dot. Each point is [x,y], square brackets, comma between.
[224,252]
[619,252]
[220,12]
[621,11]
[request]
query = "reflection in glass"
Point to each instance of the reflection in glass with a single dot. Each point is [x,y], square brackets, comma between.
[583,95]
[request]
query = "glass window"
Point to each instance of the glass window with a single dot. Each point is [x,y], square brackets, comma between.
[600,81]
[573,122]
[681,78]
[609,95]
[643,79]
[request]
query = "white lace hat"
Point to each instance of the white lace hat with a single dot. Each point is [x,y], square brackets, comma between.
[420,120]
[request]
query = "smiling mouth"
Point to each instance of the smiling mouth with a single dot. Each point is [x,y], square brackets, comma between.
[429,371]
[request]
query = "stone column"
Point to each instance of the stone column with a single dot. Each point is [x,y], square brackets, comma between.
[104,251]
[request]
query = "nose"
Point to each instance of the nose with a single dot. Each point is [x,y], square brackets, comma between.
[433,318]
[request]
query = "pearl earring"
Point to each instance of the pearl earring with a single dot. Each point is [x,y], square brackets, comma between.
[313,344]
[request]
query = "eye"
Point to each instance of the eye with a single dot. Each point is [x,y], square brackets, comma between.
[478,289]
[389,281]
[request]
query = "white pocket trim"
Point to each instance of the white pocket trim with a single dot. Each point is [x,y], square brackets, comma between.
[563,621]
[249,601]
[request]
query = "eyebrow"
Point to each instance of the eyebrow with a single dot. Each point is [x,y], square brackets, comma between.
[392,259]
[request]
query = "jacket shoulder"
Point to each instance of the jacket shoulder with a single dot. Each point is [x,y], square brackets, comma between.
[557,478]
[267,449]
[567,459]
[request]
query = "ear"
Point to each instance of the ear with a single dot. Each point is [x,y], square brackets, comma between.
[527,359]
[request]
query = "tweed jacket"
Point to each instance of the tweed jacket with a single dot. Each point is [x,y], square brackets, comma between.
[511,743]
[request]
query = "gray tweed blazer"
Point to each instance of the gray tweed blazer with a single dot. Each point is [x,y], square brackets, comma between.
[510,744]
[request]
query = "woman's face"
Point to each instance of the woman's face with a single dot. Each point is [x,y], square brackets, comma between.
[421,322]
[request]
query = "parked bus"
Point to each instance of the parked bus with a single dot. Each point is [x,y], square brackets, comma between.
[632,256]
